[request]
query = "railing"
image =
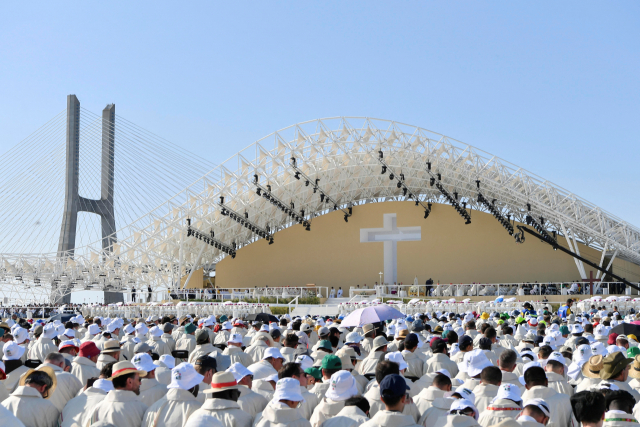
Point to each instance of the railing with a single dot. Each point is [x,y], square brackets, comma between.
[291,302]
[496,289]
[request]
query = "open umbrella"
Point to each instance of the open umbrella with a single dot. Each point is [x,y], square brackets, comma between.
[377,313]
[626,329]
[262,317]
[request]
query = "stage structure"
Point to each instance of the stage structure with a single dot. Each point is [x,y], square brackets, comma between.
[310,169]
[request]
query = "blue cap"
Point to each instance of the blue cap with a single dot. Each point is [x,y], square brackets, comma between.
[465,340]
[393,385]
[409,319]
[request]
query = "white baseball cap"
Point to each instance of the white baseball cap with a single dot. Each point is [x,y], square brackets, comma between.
[464,392]
[227,325]
[540,404]
[396,356]
[264,328]
[142,329]
[508,391]
[69,333]
[474,362]
[342,386]
[443,372]
[12,351]
[604,385]
[143,362]
[239,371]
[185,377]
[235,338]
[272,352]
[288,389]
[94,329]
[598,348]
[103,384]
[49,330]
[129,329]
[557,356]
[20,335]
[168,360]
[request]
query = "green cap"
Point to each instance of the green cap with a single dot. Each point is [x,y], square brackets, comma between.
[189,328]
[315,372]
[325,344]
[223,318]
[564,330]
[331,361]
[632,352]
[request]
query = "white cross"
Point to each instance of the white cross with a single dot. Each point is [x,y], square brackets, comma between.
[390,235]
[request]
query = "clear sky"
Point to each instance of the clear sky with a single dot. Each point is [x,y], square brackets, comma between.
[550,86]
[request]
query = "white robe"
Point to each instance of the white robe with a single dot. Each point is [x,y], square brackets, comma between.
[84,369]
[172,410]
[387,418]
[122,408]
[226,412]
[77,411]
[151,391]
[349,416]
[27,404]
[68,387]
[7,419]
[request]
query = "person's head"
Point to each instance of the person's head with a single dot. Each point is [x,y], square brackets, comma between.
[288,392]
[225,387]
[290,341]
[242,375]
[491,375]
[393,392]
[490,333]
[569,302]
[465,343]
[484,344]
[589,408]
[330,365]
[56,359]
[544,352]
[360,401]
[508,360]
[615,367]
[125,376]
[293,370]
[385,368]
[411,342]
[537,409]
[535,376]
[438,345]
[620,400]
[41,380]
[588,328]
[207,367]
[89,350]
[275,335]
[554,366]
[442,382]
[622,341]
[107,370]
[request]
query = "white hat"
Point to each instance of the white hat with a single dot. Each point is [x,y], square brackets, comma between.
[508,391]
[143,362]
[272,352]
[69,333]
[550,341]
[391,330]
[288,389]
[49,331]
[460,404]
[239,371]
[264,328]
[598,348]
[94,329]
[142,329]
[20,335]
[474,362]
[68,343]
[304,361]
[235,338]
[185,377]
[103,384]
[352,337]
[209,322]
[464,392]
[155,332]
[614,348]
[557,356]
[524,370]
[396,356]
[111,327]
[604,385]
[227,325]
[168,360]
[12,351]
[129,329]
[443,372]
[341,386]
[305,327]
[540,404]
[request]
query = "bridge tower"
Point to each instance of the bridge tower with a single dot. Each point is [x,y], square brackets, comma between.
[75,203]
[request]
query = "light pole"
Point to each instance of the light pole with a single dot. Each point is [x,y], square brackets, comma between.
[381,288]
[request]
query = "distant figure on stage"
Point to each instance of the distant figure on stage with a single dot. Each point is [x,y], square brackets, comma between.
[333,293]
[133,294]
[149,291]
[429,284]
[340,292]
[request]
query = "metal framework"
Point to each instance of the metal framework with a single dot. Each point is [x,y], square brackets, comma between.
[343,153]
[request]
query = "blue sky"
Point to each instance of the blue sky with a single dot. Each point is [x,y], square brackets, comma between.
[550,86]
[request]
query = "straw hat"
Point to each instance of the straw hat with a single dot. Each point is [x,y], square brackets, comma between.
[222,381]
[592,368]
[125,368]
[634,372]
[50,373]
[110,346]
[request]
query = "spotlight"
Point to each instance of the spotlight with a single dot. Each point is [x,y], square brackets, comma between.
[346,218]
[404,191]
[321,197]
[255,178]
[398,185]
[308,227]
[259,191]
[384,170]
[432,181]
[306,183]
[439,177]
[391,176]
[380,155]
[297,175]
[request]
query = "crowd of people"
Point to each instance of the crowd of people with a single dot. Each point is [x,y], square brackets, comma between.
[522,368]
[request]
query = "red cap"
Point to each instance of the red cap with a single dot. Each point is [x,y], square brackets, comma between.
[612,338]
[88,349]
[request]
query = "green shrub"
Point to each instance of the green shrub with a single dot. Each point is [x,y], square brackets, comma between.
[279,310]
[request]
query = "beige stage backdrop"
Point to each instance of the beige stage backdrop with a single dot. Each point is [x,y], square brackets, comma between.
[449,251]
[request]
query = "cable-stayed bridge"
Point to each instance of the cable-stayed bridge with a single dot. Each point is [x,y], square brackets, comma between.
[173,213]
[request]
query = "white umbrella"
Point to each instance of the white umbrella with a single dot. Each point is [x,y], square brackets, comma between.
[375,314]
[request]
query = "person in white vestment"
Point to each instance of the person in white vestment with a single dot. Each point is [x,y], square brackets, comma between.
[29,402]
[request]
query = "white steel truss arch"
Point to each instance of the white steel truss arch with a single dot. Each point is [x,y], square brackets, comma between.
[342,153]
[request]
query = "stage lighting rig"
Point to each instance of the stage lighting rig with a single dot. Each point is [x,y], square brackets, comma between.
[530,220]
[289,210]
[244,221]
[401,185]
[452,200]
[210,239]
[491,206]
[324,197]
